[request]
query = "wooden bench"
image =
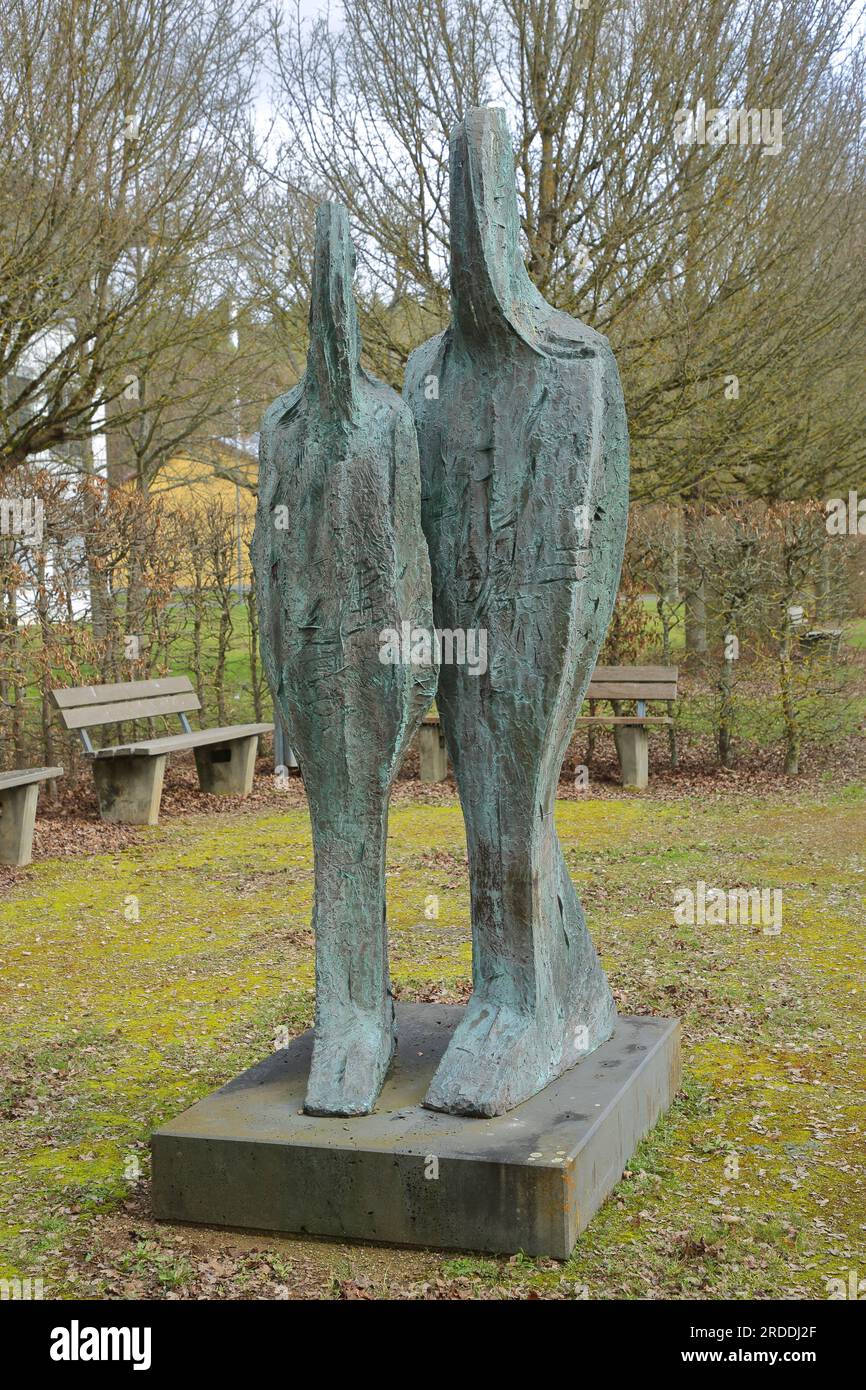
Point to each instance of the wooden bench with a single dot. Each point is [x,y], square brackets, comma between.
[19,793]
[633,683]
[612,683]
[129,776]
[817,638]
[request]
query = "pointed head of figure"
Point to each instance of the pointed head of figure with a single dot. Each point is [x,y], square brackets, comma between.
[488,276]
[335,341]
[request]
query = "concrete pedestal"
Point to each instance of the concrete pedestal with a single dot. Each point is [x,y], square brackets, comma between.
[17,819]
[129,789]
[227,769]
[632,746]
[432,752]
[530,1180]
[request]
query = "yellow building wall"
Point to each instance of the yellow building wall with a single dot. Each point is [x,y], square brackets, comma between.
[185,484]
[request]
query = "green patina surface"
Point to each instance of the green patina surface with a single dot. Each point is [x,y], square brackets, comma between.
[524,502]
[339,464]
[752,1185]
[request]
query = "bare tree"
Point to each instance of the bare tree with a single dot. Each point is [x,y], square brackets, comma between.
[727,271]
[124,131]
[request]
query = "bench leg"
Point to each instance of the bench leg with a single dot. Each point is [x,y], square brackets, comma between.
[632,746]
[227,769]
[129,790]
[433,753]
[17,818]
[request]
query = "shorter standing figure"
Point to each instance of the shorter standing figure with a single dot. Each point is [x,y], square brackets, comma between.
[340,561]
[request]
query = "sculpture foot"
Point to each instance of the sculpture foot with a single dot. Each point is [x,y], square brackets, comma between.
[499,1057]
[350,1062]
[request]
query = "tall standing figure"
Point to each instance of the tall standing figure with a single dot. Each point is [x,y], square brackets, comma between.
[524,466]
[340,559]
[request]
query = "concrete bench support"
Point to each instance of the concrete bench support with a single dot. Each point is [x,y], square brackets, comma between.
[433,753]
[17,819]
[227,769]
[129,789]
[632,746]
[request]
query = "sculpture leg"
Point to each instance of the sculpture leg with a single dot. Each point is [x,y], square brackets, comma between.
[540,999]
[354,1012]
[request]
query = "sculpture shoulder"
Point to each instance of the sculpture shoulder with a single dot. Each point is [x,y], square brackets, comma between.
[280,410]
[422,362]
[383,417]
[381,395]
[565,336]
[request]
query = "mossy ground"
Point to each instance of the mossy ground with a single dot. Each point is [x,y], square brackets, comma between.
[753,1185]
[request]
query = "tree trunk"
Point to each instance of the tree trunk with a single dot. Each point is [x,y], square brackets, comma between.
[45,663]
[726,715]
[696,615]
[789,712]
[100,599]
[255,679]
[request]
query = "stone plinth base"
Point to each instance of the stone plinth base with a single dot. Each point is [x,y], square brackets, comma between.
[530,1180]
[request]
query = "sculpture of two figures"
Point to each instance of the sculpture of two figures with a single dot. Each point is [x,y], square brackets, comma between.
[519,498]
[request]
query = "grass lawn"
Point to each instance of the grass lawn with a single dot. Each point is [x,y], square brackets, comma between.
[751,1186]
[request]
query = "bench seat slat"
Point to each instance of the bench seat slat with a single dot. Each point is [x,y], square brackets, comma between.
[24,778]
[179,743]
[71,698]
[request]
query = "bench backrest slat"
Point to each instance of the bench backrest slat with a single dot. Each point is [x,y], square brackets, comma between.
[89,706]
[123,690]
[630,690]
[91,716]
[633,683]
[648,674]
